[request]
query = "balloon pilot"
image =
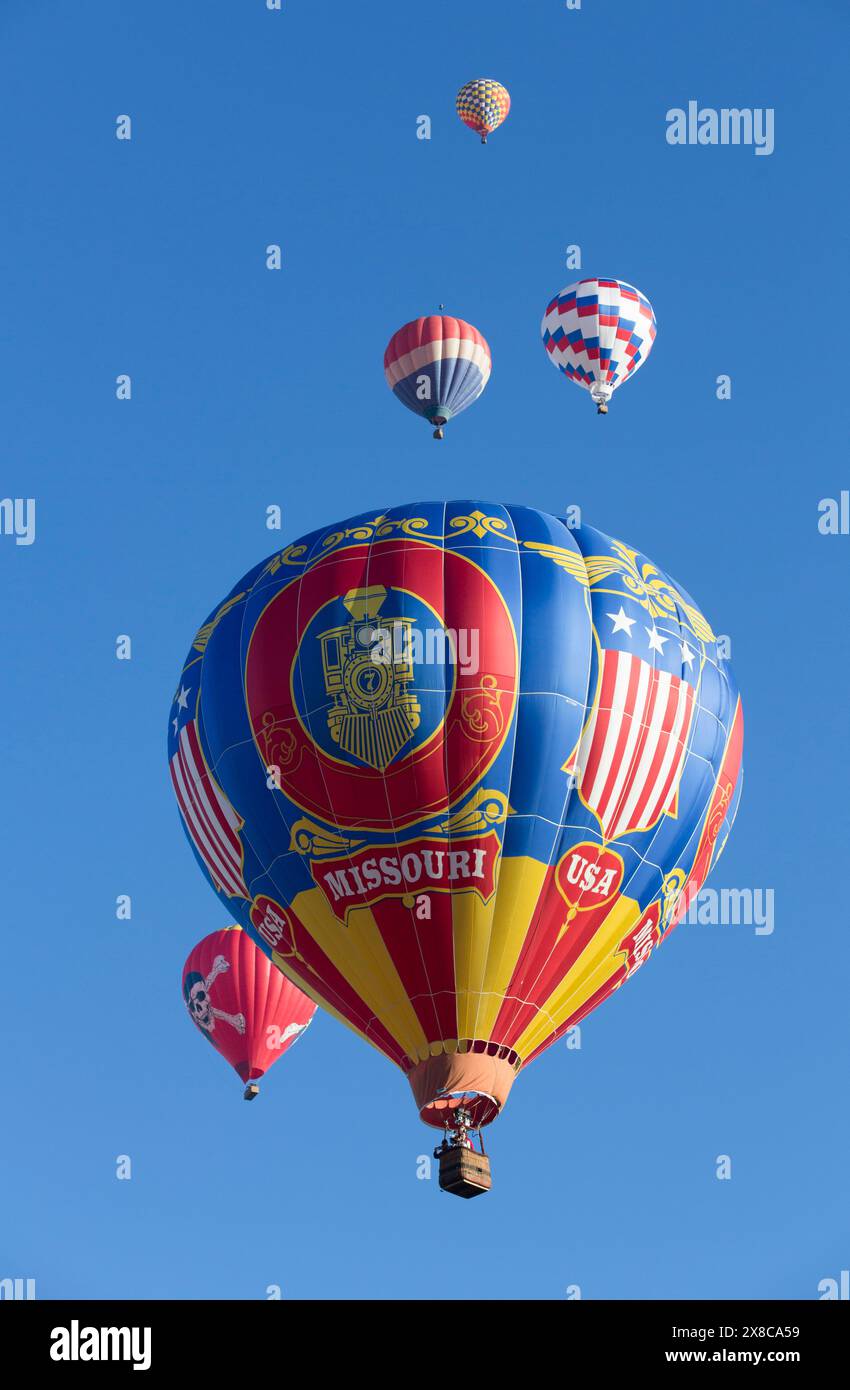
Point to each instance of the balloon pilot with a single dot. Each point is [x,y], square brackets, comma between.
[464,1170]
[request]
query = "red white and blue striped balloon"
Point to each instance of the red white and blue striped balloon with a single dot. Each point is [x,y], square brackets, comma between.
[598,333]
[437,366]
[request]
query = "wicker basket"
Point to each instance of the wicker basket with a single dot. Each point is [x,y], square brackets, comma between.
[464,1172]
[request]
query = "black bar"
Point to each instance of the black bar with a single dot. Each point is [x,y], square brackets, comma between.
[559,1337]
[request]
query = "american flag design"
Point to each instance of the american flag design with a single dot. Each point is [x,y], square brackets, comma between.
[634,746]
[598,333]
[557,805]
[211,822]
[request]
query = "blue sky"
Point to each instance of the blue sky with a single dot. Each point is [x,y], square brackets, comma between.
[253,388]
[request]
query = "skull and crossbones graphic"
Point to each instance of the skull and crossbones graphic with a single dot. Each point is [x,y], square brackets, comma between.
[196,991]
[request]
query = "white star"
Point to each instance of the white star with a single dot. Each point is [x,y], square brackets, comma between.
[183,698]
[175,722]
[687,654]
[656,641]
[621,622]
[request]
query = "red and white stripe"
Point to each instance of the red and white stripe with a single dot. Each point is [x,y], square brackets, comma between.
[209,817]
[633,749]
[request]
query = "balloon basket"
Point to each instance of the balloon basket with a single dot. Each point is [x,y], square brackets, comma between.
[251,1092]
[464,1172]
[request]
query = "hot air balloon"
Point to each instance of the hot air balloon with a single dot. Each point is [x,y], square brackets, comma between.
[437,366]
[482,105]
[599,333]
[458,769]
[248,1010]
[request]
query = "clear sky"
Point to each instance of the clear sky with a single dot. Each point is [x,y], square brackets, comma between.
[253,388]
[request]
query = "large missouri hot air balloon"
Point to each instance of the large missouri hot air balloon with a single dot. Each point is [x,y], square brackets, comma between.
[437,366]
[598,333]
[248,1010]
[459,770]
[483,104]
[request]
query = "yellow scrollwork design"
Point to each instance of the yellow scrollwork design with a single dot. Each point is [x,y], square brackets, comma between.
[486,808]
[642,580]
[671,890]
[292,555]
[378,527]
[479,524]
[281,748]
[481,714]
[204,634]
[570,560]
[409,526]
[311,839]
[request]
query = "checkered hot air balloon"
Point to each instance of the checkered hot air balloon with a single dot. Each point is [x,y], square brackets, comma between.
[482,105]
[458,769]
[247,1009]
[598,333]
[437,366]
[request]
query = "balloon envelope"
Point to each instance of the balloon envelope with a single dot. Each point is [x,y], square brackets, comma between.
[459,770]
[598,333]
[437,366]
[243,1005]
